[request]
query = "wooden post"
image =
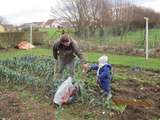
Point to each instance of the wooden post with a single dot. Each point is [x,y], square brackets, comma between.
[31,33]
[146,38]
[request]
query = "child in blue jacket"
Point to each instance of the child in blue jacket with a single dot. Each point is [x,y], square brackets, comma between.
[104,75]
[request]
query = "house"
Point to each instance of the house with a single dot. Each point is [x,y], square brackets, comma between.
[65,24]
[38,24]
[2,28]
[24,27]
[9,28]
[51,23]
[27,26]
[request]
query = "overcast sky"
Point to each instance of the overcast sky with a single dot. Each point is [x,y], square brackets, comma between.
[24,11]
[154,4]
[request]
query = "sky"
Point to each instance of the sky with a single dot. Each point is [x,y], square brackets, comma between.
[153,4]
[26,11]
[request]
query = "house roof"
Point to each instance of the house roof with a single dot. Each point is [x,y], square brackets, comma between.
[9,26]
[37,23]
[50,21]
[25,25]
[65,24]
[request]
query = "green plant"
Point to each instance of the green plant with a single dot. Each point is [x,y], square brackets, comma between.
[119,108]
[58,112]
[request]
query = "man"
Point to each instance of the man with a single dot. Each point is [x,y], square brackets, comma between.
[64,51]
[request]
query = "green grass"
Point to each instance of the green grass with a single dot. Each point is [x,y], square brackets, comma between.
[52,33]
[152,63]
[15,52]
[138,37]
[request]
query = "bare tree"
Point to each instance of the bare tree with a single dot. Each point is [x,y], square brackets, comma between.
[84,14]
[122,14]
[74,11]
[93,15]
[140,13]
[105,15]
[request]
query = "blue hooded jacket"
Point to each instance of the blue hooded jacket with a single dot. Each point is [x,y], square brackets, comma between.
[104,76]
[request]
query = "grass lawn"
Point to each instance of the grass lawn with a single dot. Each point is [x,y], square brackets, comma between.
[152,63]
[15,52]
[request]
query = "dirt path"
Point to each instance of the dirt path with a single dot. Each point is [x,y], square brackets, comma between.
[13,108]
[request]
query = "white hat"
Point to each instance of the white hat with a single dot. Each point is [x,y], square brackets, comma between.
[103,60]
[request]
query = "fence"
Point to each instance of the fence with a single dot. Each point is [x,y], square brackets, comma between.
[11,39]
[136,38]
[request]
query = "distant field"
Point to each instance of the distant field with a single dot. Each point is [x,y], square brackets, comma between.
[123,60]
[133,37]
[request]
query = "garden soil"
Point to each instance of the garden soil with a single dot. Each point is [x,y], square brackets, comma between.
[143,86]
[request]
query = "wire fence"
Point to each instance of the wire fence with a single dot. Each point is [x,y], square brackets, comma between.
[108,37]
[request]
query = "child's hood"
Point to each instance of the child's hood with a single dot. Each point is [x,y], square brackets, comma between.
[102,61]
